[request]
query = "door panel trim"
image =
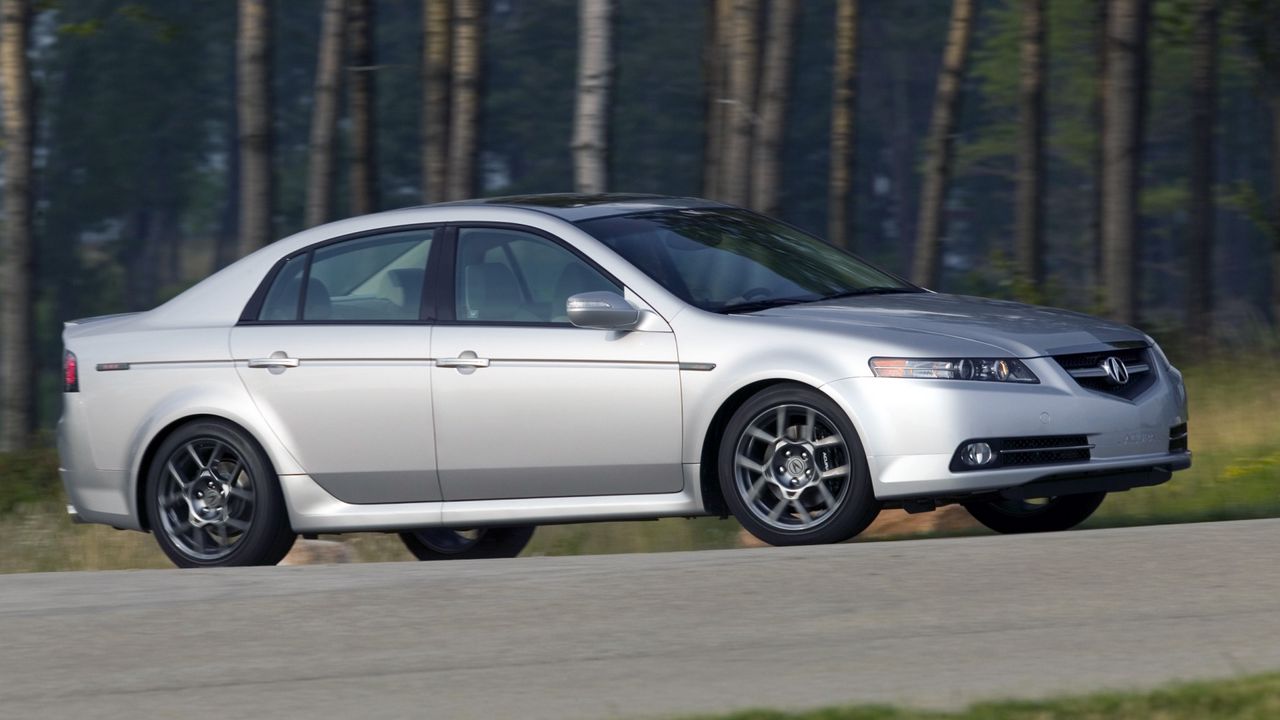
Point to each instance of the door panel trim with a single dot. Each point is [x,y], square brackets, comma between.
[369,488]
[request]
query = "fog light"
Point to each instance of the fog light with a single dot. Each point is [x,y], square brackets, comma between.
[977,453]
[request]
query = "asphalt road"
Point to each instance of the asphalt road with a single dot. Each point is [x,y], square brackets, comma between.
[929,622]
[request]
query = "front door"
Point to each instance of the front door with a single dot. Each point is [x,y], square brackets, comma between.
[527,405]
[338,361]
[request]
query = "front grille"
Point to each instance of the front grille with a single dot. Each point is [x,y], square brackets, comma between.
[1089,370]
[1026,451]
[1178,438]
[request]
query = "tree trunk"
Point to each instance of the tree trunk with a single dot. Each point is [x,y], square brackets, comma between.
[363,173]
[1204,103]
[226,243]
[1029,209]
[18,252]
[1121,154]
[1275,206]
[253,100]
[715,56]
[941,145]
[1096,112]
[324,114]
[743,52]
[775,87]
[464,121]
[435,99]
[591,115]
[841,200]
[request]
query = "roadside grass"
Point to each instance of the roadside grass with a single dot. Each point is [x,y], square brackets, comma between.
[1234,433]
[1234,428]
[1252,698]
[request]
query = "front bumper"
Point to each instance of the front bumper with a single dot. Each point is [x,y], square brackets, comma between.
[910,429]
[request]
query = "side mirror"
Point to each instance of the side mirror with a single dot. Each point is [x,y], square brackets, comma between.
[602,311]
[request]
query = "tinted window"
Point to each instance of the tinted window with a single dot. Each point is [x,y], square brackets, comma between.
[725,259]
[514,276]
[282,300]
[378,278]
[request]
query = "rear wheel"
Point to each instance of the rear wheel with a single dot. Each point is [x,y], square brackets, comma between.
[1039,515]
[473,544]
[213,499]
[792,469]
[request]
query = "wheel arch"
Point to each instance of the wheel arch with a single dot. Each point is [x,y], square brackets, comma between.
[709,475]
[157,439]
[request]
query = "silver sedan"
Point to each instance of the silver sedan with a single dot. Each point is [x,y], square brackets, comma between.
[460,373]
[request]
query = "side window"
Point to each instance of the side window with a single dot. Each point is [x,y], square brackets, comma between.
[513,276]
[282,300]
[378,278]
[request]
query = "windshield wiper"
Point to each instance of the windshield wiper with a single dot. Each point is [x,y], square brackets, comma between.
[875,290]
[754,305]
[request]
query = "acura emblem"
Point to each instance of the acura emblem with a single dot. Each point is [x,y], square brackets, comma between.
[1116,372]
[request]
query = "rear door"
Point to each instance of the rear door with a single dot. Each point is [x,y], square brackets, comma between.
[337,357]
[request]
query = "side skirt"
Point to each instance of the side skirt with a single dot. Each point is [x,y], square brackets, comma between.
[312,510]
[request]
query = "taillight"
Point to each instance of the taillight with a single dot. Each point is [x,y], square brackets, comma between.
[70,372]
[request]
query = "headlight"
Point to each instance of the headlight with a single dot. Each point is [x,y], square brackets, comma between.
[990,369]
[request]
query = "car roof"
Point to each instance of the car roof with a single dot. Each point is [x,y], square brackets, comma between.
[573,207]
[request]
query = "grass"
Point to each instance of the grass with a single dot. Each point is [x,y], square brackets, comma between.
[1254,698]
[1234,429]
[1235,435]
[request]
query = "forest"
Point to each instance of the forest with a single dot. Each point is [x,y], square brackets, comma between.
[1119,157]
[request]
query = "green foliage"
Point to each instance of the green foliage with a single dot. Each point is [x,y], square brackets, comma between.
[1245,199]
[1252,698]
[27,477]
[1166,200]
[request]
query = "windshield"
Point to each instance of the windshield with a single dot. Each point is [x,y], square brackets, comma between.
[737,261]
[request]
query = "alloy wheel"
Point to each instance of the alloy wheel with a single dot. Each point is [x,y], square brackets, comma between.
[207,499]
[792,467]
[448,541]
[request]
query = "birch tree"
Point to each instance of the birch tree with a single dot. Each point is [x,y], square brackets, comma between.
[1204,104]
[1121,153]
[253,103]
[435,99]
[1029,201]
[714,67]
[775,89]
[464,121]
[743,52]
[591,115]
[940,146]
[324,114]
[363,174]
[841,201]
[16,420]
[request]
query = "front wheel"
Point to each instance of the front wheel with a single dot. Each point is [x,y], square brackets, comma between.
[1030,516]
[475,544]
[792,469]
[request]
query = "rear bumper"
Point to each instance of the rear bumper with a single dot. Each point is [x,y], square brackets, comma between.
[93,495]
[911,429]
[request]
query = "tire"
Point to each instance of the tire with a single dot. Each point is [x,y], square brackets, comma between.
[1020,516]
[757,475]
[477,544]
[213,499]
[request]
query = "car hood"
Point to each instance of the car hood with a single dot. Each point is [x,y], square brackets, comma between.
[1023,330]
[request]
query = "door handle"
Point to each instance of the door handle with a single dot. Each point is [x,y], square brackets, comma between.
[277,360]
[463,362]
